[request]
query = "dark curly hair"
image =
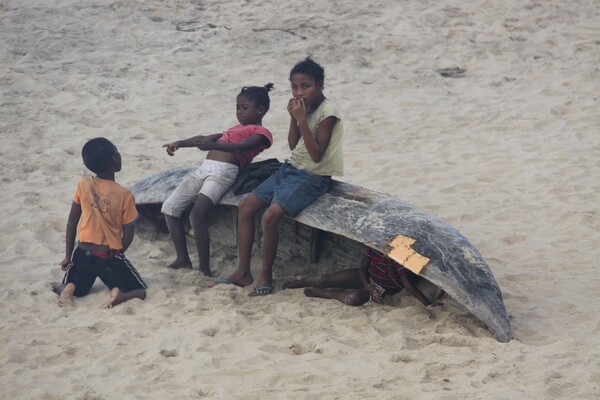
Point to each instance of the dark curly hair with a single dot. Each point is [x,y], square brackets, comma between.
[259,95]
[309,67]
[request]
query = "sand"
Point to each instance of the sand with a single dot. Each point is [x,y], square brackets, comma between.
[508,154]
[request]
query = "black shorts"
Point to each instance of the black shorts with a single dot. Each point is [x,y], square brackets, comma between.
[113,270]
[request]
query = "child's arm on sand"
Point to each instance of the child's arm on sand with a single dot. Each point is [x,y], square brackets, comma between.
[207,143]
[71,234]
[363,272]
[189,142]
[408,285]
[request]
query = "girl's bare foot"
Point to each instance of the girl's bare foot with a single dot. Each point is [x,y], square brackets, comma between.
[236,278]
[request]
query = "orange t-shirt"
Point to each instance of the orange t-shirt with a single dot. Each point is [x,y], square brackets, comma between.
[105,207]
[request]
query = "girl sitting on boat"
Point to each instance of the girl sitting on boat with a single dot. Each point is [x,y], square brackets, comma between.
[315,139]
[227,153]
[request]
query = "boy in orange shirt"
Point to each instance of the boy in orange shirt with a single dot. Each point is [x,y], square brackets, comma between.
[102,217]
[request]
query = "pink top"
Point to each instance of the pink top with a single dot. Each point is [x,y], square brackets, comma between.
[239,133]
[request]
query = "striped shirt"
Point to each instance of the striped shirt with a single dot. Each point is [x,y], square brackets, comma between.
[384,271]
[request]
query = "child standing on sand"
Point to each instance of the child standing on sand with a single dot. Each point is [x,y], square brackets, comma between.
[315,139]
[227,153]
[377,276]
[102,217]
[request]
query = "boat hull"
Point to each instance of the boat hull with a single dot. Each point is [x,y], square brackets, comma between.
[336,227]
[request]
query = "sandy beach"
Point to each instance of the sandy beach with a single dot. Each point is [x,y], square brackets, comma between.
[508,153]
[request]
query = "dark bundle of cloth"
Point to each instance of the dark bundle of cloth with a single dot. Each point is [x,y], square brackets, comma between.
[254,174]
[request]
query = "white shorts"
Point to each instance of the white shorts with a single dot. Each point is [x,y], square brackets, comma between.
[212,179]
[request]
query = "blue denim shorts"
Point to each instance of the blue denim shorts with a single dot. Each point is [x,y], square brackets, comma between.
[292,188]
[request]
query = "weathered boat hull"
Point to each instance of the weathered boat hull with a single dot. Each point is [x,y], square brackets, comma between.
[337,226]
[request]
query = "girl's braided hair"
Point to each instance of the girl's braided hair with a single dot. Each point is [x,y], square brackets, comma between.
[259,95]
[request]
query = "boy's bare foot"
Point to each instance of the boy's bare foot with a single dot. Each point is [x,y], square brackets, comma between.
[115,298]
[65,293]
[309,281]
[118,297]
[179,264]
[65,300]
[57,287]
[205,271]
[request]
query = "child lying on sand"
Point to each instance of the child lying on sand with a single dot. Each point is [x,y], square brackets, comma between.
[377,276]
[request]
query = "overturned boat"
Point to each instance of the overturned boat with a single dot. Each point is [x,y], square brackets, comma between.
[335,228]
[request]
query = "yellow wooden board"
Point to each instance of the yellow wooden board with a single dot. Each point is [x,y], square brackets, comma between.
[403,254]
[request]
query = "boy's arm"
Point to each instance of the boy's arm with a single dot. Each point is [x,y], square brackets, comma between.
[251,142]
[128,233]
[189,142]
[415,291]
[71,234]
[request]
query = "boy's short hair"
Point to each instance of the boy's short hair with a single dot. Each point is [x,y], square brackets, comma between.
[97,153]
[310,68]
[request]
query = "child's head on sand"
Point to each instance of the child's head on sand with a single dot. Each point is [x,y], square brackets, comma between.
[100,155]
[252,104]
[308,79]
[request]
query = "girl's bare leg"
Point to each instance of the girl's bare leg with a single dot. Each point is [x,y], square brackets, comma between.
[199,219]
[270,221]
[177,231]
[247,209]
